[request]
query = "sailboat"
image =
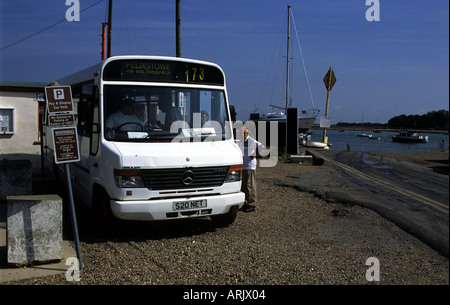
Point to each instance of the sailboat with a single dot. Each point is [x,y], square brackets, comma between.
[307,117]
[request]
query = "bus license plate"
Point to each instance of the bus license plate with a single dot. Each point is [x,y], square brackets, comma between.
[191,204]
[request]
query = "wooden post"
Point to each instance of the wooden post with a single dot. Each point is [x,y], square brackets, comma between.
[325,138]
[104,40]
[109,28]
[329,81]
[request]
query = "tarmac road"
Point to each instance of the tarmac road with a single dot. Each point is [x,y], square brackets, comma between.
[414,194]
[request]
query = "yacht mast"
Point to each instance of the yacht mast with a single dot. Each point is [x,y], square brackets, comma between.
[287,57]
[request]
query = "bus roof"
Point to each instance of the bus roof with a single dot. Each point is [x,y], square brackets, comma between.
[92,71]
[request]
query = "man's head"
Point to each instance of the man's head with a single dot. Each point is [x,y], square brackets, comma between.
[244,132]
[164,105]
[205,116]
[127,107]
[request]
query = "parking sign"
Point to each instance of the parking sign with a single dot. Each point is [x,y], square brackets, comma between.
[59,99]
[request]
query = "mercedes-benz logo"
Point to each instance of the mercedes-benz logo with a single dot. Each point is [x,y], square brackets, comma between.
[187,177]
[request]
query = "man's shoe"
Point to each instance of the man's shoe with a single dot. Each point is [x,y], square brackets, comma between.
[248,208]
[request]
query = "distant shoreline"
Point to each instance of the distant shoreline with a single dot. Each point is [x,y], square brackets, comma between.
[355,128]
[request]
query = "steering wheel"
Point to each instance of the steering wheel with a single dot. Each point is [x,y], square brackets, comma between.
[118,128]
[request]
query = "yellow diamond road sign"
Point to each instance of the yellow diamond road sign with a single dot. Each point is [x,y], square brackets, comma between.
[330,79]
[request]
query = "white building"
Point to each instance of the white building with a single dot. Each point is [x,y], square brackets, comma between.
[21,106]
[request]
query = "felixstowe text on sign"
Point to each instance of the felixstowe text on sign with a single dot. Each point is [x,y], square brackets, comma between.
[60,110]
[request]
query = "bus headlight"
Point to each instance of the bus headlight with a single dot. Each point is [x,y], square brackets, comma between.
[234,173]
[130,178]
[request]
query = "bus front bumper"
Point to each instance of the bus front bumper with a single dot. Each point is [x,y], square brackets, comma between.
[176,208]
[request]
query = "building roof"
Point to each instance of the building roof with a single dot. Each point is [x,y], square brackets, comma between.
[22,84]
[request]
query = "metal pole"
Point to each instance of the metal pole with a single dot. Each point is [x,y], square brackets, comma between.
[74,218]
[178,27]
[41,138]
[287,57]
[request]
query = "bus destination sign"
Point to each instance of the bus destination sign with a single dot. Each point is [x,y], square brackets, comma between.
[163,71]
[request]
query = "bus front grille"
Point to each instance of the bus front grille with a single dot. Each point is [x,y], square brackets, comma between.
[184,178]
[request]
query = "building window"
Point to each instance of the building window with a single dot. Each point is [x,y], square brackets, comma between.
[6,120]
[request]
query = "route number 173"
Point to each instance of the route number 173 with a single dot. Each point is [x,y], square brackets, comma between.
[195,74]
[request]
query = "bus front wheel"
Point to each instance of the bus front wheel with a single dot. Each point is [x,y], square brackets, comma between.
[224,220]
[101,207]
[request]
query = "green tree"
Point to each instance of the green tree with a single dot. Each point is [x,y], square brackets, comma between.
[431,120]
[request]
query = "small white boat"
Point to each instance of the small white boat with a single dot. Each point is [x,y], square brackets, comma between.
[315,144]
[367,136]
[306,142]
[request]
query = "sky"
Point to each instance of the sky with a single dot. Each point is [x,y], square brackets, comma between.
[396,65]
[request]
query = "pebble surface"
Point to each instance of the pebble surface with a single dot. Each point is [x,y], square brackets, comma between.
[293,238]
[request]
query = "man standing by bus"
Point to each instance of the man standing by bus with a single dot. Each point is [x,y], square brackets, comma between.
[249,147]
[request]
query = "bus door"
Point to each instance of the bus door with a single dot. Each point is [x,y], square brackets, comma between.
[83,97]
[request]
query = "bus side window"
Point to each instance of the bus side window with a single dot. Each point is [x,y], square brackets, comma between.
[95,128]
[85,104]
[76,94]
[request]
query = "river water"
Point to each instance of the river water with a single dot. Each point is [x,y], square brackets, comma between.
[339,141]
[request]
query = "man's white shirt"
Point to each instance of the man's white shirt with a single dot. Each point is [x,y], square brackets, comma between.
[118,118]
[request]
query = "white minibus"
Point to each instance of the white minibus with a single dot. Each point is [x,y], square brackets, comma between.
[155,138]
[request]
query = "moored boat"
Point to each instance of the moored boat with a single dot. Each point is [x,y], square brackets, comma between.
[305,140]
[305,120]
[405,136]
[368,136]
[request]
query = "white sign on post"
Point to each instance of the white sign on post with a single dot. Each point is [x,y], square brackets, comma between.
[325,122]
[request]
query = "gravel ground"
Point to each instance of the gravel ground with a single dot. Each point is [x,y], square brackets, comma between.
[293,238]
